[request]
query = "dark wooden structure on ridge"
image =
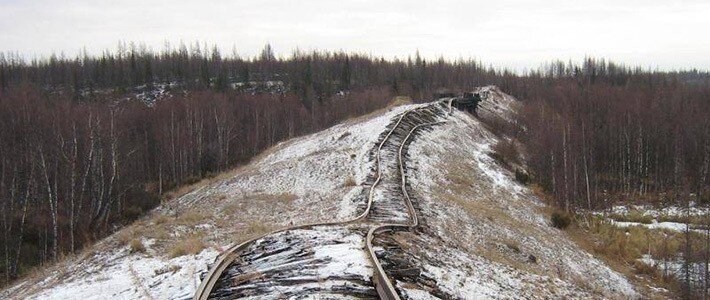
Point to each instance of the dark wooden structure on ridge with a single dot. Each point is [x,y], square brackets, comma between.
[468,102]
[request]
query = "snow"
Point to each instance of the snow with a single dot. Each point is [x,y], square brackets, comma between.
[673,226]
[668,212]
[458,183]
[134,276]
[675,268]
[345,257]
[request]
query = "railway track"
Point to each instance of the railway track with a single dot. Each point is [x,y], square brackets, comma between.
[270,266]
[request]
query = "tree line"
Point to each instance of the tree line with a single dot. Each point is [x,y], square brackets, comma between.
[312,76]
[598,134]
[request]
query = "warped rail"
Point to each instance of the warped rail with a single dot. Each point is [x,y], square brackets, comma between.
[383,286]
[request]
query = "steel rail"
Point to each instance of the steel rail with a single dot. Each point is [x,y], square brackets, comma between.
[383,285]
[228,256]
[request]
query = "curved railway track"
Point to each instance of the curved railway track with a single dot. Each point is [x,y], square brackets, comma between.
[384,286]
[416,119]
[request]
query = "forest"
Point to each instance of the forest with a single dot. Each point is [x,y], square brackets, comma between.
[81,155]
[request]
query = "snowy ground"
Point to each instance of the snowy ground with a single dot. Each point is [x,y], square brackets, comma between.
[657,218]
[491,227]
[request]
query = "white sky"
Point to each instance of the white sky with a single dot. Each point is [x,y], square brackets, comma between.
[656,34]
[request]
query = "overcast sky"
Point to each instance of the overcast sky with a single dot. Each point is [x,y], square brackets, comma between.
[656,34]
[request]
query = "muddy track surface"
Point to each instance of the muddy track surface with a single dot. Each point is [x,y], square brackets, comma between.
[337,259]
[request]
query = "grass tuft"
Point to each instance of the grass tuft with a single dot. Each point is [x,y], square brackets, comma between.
[191,245]
[136,246]
[350,181]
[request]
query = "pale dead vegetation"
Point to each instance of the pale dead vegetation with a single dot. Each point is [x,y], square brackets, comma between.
[159,218]
[190,218]
[128,234]
[189,245]
[136,246]
[255,228]
[229,210]
[399,101]
[349,182]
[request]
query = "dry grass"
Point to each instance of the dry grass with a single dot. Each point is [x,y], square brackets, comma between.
[400,100]
[160,219]
[230,209]
[350,181]
[190,218]
[128,234]
[633,216]
[257,228]
[190,245]
[512,244]
[136,246]
[621,248]
[506,152]
[613,245]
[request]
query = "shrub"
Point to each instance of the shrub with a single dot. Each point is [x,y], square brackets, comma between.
[561,220]
[127,235]
[506,152]
[192,245]
[136,246]
[349,182]
[522,176]
[704,198]
[132,212]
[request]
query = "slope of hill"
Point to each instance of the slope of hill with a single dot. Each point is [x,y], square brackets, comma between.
[481,234]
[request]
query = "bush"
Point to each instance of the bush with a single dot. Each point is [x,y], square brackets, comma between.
[704,198]
[350,181]
[506,152]
[132,212]
[561,220]
[522,176]
[136,246]
[192,245]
